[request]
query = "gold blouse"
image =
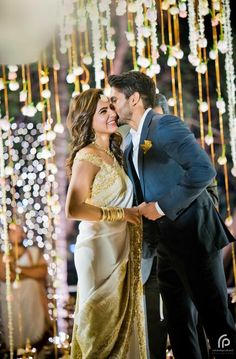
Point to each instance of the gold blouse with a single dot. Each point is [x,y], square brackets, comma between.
[110,181]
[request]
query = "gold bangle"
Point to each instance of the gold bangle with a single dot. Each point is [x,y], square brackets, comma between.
[112,214]
[102,215]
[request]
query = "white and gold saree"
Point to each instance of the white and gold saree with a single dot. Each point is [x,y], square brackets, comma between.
[108,320]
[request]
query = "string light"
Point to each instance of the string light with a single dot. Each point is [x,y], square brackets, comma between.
[230,81]
[222,159]
[193,34]
[93,12]
[4,227]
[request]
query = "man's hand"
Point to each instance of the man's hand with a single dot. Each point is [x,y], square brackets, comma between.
[149,211]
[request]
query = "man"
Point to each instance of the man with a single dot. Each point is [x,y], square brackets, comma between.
[170,172]
[155,316]
[155,321]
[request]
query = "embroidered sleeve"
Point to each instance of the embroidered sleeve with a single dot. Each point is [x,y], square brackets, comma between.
[90,157]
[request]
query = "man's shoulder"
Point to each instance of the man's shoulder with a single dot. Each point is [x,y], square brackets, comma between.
[166,121]
[164,118]
[157,120]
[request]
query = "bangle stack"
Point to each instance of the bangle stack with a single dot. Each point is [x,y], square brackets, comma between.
[112,214]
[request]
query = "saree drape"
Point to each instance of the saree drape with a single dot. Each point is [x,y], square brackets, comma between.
[108,321]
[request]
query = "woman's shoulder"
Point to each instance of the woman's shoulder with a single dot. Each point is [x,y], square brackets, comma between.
[89,154]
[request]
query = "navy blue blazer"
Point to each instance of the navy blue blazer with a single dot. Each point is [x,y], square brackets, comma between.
[176,169]
[175,172]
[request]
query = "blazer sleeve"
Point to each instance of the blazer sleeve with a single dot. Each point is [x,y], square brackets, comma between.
[213,192]
[176,139]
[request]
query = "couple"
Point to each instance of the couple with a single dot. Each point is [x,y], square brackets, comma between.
[168,173]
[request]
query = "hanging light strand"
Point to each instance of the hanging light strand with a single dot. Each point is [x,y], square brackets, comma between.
[4,235]
[110,45]
[152,17]
[9,169]
[200,92]
[48,188]
[131,38]
[222,159]
[93,12]
[193,34]
[180,54]
[230,81]
[56,89]
[209,137]
[172,65]
[6,250]
[139,22]
[162,24]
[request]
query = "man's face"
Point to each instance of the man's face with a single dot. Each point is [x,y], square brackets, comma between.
[121,105]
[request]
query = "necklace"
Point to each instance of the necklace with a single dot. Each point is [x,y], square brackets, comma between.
[108,152]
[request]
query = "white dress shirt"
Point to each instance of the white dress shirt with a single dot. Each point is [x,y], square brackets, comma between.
[136,135]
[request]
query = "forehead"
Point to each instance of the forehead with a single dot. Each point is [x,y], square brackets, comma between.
[115,93]
[104,102]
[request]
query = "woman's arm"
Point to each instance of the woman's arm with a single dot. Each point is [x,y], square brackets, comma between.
[83,174]
[38,271]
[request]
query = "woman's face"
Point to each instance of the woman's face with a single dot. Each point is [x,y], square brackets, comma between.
[105,118]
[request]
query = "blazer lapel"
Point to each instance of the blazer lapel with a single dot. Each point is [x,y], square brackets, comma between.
[127,154]
[129,164]
[143,137]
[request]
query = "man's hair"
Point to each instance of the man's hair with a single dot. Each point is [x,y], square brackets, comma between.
[135,81]
[161,101]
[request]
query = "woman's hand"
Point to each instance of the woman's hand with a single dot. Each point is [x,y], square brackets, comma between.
[132,215]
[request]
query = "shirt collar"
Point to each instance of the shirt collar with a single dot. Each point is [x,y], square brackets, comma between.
[140,126]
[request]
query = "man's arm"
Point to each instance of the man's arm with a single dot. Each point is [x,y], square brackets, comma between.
[180,144]
[213,192]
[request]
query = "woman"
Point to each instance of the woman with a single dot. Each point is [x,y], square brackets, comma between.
[108,315]
[29,305]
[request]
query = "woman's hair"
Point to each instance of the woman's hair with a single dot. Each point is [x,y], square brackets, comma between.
[79,122]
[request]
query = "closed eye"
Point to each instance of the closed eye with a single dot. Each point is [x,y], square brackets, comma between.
[102,110]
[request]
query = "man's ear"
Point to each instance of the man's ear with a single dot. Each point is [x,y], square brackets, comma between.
[134,99]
